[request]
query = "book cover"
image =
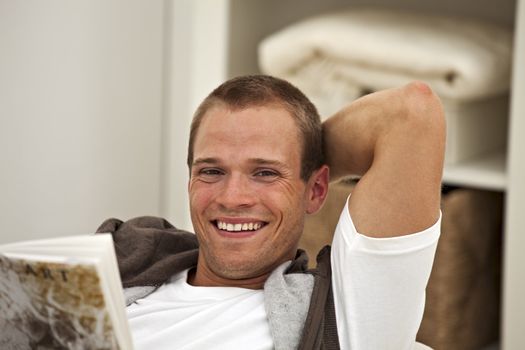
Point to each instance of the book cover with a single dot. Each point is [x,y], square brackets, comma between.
[55,303]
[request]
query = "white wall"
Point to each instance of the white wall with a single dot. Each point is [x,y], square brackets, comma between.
[80,114]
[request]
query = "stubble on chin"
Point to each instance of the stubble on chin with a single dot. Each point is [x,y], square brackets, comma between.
[237,268]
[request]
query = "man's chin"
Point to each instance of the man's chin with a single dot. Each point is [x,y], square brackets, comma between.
[239,266]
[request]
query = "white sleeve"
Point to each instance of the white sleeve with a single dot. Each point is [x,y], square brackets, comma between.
[379,285]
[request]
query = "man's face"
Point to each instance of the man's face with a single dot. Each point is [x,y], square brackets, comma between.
[247,198]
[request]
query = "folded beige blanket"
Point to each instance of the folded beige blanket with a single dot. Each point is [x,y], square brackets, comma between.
[338,57]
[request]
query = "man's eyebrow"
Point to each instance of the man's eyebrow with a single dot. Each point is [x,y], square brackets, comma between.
[258,161]
[262,161]
[209,160]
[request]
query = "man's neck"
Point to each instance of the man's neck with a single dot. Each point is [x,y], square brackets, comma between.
[202,277]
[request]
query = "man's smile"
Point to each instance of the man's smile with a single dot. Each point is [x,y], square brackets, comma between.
[239,227]
[229,226]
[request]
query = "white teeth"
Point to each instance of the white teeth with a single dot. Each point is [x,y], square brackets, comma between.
[238,227]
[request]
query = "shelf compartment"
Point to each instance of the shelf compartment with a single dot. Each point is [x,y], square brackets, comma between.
[484,172]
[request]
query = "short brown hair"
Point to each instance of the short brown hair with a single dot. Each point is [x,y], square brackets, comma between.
[257,90]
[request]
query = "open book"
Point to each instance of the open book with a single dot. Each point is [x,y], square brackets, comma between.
[62,293]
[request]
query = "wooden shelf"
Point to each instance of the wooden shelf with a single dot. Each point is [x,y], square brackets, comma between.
[486,172]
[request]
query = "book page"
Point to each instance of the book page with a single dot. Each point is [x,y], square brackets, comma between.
[51,305]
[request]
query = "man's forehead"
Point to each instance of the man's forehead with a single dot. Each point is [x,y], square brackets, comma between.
[253,120]
[262,135]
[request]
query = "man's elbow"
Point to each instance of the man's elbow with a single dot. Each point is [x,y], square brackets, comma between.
[424,110]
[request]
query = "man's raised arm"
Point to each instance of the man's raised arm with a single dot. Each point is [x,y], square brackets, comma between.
[395,139]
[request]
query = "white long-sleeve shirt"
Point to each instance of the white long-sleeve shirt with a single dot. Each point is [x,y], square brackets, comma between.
[379,285]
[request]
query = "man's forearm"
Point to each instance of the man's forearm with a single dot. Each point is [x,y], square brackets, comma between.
[395,139]
[352,135]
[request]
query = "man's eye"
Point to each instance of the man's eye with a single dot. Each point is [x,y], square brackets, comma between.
[266,173]
[210,172]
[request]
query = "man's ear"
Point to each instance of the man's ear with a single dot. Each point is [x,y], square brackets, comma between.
[317,189]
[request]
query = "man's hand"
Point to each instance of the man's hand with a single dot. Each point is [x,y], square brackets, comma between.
[395,139]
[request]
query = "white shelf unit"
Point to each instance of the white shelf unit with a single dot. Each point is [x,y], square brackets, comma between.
[222,44]
[485,172]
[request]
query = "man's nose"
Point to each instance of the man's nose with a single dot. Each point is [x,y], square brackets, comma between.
[236,192]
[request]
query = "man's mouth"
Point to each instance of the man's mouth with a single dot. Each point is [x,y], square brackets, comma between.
[239,226]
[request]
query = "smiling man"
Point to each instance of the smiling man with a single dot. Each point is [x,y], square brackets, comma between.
[260,161]
[247,197]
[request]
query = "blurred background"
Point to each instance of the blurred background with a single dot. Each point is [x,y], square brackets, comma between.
[96,98]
